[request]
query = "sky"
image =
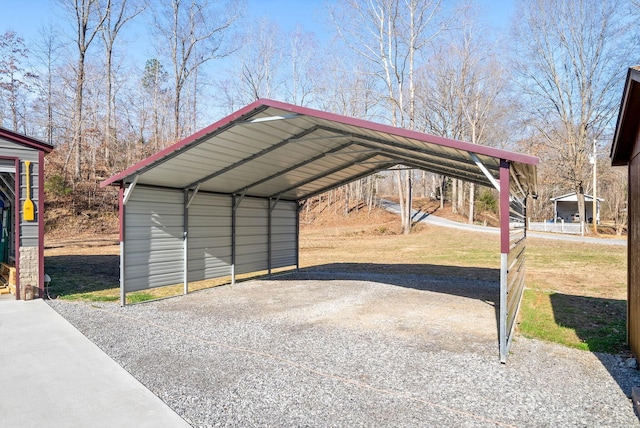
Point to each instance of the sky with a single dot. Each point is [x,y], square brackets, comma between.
[28,17]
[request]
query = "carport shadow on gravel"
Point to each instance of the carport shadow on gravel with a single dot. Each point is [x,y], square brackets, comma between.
[476,283]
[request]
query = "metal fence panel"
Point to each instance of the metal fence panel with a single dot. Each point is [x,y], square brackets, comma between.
[558,227]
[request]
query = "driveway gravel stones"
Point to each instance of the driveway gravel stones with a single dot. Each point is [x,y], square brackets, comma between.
[308,349]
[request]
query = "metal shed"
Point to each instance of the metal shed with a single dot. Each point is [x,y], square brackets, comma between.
[22,231]
[624,151]
[225,200]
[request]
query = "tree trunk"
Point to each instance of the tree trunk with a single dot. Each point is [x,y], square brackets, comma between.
[580,196]
[472,189]
[401,199]
[77,126]
[460,197]
[454,196]
[407,222]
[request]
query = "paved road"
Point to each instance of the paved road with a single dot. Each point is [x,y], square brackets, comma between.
[423,217]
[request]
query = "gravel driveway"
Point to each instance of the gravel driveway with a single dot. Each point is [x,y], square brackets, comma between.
[320,349]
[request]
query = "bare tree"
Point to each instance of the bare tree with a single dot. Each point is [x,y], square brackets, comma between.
[343,86]
[117,14]
[302,52]
[390,35]
[87,22]
[570,56]
[14,75]
[481,82]
[193,32]
[47,53]
[613,183]
[259,58]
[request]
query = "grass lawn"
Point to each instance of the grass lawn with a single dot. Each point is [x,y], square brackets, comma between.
[576,293]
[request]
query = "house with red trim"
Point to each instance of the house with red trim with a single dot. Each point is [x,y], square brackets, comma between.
[22,215]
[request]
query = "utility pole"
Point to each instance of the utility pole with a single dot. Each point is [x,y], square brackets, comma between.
[594,161]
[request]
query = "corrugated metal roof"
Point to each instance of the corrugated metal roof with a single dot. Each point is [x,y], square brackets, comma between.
[274,149]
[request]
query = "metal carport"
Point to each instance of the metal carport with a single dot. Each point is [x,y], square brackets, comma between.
[226,199]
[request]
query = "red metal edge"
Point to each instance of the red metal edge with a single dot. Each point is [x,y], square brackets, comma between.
[401,132]
[25,140]
[121,212]
[504,206]
[16,222]
[41,222]
[373,126]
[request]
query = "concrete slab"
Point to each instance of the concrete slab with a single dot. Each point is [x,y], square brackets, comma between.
[51,375]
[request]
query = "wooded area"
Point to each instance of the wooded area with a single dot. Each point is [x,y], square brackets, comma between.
[550,88]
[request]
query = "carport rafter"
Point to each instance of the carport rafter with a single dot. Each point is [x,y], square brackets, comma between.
[295,166]
[447,170]
[468,178]
[383,147]
[252,157]
[326,173]
[382,167]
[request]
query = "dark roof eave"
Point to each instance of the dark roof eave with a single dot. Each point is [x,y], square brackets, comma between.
[628,117]
[25,140]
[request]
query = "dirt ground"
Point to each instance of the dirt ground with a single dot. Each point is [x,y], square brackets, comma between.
[453,314]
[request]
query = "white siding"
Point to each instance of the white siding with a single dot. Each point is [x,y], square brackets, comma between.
[153,245]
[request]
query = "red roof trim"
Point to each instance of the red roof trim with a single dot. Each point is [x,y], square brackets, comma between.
[401,132]
[25,140]
[378,127]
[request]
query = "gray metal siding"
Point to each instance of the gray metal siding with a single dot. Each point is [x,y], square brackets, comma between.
[283,234]
[252,236]
[28,229]
[153,246]
[209,237]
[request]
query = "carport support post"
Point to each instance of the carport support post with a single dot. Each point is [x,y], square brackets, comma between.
[300,206]
[504,255]
[269,238]
[185,243]
[123,299]
[233,239]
